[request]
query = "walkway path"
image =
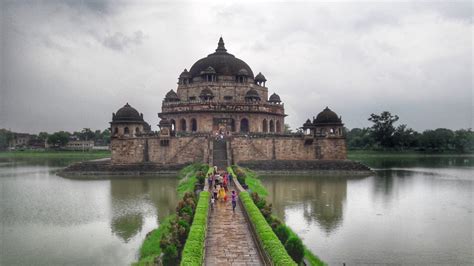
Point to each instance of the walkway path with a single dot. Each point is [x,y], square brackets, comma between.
[229,240]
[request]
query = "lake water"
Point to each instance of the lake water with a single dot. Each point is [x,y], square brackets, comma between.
[50,220]
[411,211]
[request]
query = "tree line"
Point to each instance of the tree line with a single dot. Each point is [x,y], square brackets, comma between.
[383,134]
[56,139]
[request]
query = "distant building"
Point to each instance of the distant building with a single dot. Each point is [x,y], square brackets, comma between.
[80,145]
[20,140]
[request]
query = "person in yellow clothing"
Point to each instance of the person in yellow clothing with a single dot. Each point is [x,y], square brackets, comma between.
[222,195]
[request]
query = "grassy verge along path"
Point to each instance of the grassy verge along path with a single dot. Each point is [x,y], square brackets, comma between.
[171,237]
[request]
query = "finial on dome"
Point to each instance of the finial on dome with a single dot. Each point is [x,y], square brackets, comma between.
[220,46]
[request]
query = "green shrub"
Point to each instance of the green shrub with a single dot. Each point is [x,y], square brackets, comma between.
[193,252]
[200,177]
[270,241]
[295,248]
[282,233]
[170,255]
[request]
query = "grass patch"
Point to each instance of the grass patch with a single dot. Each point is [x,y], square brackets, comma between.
[188,177]
[56,154]
[150,248]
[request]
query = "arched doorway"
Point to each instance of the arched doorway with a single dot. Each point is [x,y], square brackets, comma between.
[272,126]
[244,125]
[126,131]
[182,124]
[194,125]
[265,125]
[278,127]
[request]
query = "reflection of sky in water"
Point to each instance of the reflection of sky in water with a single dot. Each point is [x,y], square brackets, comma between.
[49,220]
[409,216]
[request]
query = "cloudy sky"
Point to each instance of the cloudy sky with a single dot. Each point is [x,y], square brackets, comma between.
[66,65]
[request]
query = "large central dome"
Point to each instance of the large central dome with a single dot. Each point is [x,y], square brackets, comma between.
[222,62]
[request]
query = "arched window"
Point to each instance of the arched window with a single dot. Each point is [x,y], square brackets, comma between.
[137,131]
[126,131]
[116,131]
[278,127]
[244,125]
[183,124]
[272,126]
[173,125]
[265,125]
[232,125]
[194,125]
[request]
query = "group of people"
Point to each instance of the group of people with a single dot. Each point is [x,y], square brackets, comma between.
[219,183]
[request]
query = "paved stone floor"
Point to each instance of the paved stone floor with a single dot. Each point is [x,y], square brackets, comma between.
[229,241]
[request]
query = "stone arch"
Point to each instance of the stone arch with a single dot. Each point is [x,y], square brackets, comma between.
[264,125]
[272,126]
[126,131]
[278,126]
[244,125]
[182,124]
[116,131]
[137,130]
[194,125]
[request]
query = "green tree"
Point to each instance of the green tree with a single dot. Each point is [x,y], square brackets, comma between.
[464,140]
[404,137]
[87,134]
[43,136]
[382,130]
[59,139]
[5,137]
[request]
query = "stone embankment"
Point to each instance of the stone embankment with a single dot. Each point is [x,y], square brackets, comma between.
[105,167]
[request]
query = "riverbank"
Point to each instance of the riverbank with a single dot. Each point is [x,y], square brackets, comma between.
[49,154]
[388,159]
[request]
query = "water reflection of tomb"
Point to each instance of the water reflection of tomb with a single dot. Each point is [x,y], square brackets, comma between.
[129,200]
[321,199]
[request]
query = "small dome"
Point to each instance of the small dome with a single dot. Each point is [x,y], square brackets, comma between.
[171,96]
[252,94]
[243,72]
[185,74]
[260,77]
[206,92]
[127,113]
[209,70]
[327,117]
[274,98]
[307,124]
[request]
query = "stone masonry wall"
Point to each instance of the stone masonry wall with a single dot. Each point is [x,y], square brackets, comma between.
[282,148]
[179,151]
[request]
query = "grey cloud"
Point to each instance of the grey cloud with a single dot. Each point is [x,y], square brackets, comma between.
[119,41]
